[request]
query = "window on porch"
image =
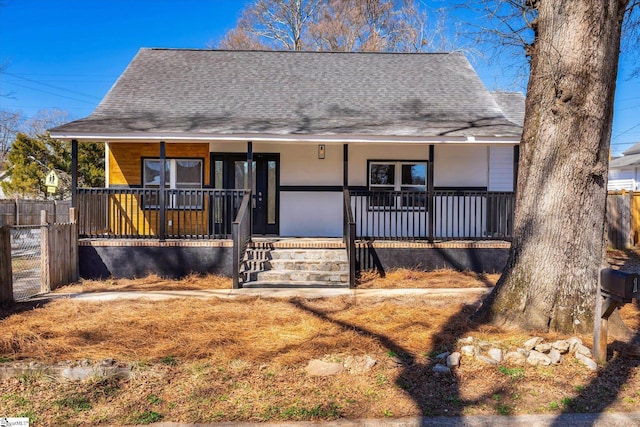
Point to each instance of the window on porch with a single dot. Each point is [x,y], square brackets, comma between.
[398,184]
[179,174]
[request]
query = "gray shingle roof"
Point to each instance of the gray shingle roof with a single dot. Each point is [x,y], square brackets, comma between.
[634,149]
[631,157]
[206,92]
[512,105]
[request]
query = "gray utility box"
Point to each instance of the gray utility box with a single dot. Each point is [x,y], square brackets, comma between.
[620,285]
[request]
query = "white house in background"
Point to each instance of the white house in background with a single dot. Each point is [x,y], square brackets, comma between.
[4,176]
[624,172]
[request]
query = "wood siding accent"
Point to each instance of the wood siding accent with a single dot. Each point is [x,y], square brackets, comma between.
[125,169]
[126,213]
[125,159]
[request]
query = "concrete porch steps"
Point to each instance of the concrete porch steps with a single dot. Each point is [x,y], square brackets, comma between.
[267,265]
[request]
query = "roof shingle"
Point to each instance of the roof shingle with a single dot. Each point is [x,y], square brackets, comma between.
[212,92]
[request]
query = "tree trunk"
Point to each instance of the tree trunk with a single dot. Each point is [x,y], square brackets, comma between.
[550,280]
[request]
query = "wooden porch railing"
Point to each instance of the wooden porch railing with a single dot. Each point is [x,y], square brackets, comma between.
[349,236]
[135,213]
[457,215]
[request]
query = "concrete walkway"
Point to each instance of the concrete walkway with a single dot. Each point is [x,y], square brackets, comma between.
[263,293]
[631,419]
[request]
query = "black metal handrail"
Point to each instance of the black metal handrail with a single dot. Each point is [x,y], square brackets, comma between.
[241,234]
[135,213]
[349,236]
[457,215]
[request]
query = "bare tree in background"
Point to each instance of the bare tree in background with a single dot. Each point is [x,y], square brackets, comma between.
[43,120]
[550,280]
[338,25]
[273,24]
[10,122]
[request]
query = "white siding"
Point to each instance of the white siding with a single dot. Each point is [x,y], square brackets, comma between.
[460,166]
[622,179]
[299,165]
[311,214]
[500,168]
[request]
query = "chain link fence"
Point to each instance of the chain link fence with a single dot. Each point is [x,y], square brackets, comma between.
[26,261]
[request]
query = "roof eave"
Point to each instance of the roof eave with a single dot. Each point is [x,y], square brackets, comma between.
[310,138]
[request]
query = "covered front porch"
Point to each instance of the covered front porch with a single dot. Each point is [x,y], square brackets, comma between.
[223,207]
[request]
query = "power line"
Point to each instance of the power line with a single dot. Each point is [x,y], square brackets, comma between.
[628,130]
[53,86]
[54,94]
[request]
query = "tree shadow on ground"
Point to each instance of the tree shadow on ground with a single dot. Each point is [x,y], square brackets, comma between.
[8,310]
[622,359]
[434,394]
[440,394]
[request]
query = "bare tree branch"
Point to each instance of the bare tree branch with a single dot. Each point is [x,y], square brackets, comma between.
[340,25]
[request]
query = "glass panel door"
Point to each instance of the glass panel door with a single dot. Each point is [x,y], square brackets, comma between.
[265,200]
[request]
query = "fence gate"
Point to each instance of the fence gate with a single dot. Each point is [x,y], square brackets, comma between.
[37,259]
[26,262]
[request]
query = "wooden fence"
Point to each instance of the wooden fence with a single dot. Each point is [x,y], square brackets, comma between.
[27,212]
[59,252]
[59,255]
[623,219]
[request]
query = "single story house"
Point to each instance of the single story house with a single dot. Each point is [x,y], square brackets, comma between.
[624,172]
[400,146]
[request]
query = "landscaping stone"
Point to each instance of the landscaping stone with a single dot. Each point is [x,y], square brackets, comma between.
[562,346]
[536,359]
[531,343]
[496,354]
[515,358]
[443,356]
[68,370]
[359,364]
[555,356]
[486,360]
[319,368]
[573,343]
[441,369]
[483,345]
[453,360]
[583,350]
[468,350]
[533,352]
[543,347]
[589,363]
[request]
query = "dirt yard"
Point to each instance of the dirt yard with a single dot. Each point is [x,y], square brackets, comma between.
[244,359]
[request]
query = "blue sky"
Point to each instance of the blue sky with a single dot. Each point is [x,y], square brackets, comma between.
[66,54]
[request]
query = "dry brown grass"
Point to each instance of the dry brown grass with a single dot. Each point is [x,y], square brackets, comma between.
[200,361]
[243,359]
[253,329]
[149,283]
[408,278]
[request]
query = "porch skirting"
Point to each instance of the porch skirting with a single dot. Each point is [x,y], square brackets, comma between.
[476,256]
[124,258]
[101,259]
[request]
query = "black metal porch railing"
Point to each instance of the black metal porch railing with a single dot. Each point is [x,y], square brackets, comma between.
[349,236]
[241,232]
[135,213]
[457,215]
